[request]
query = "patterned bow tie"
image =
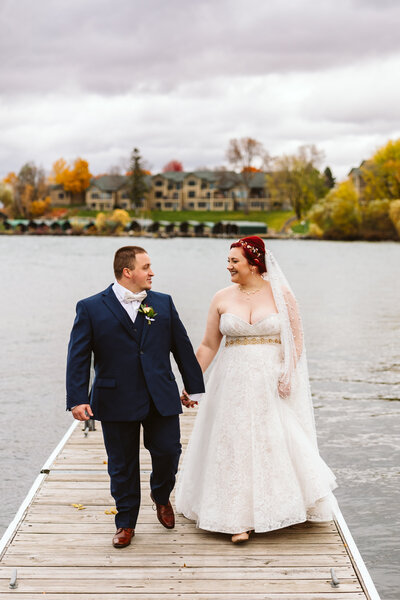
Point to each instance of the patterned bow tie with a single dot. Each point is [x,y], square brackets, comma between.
[131,297]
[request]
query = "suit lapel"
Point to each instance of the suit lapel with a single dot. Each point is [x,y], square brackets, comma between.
[114,305]
[150,302]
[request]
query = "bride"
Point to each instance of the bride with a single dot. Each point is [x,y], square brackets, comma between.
[252,462]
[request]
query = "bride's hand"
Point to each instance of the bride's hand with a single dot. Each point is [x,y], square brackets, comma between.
[186,401]
[284,389]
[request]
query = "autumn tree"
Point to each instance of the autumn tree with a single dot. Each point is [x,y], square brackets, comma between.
[242,154]
[338,215]
[173,165]
[136,179]
[376,221]
[297,179]
[74,179]
[381,174]
[6,197]
[29,191]
[394,214]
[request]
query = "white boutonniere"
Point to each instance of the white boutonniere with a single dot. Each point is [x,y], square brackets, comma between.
[148,312]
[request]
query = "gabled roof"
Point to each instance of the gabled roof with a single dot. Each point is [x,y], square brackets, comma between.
[109,183]
[175,176]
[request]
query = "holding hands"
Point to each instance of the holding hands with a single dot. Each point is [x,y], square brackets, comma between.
[186,401]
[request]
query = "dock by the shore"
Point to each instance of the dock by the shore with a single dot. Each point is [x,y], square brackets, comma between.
[59,546]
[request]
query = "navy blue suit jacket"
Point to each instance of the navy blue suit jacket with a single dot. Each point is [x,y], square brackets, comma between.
[131,360]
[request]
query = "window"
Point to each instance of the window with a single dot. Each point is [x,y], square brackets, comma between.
[191,204]
[170,186]
[93,205]
[158,204]
[202,204]
[159,182]
[168,205]
[208,195]
[191,182]
[203,185]
[175,195]
[158,194]
[218,204]
[178,186]
[95,195]
[192,194]
[255,204]
[61,195]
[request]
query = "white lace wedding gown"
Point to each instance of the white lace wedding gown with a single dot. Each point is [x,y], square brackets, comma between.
[249,463]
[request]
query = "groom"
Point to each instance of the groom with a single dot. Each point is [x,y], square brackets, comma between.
[131,332]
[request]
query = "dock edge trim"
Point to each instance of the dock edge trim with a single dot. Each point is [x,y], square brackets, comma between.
[11,529]
[355,556]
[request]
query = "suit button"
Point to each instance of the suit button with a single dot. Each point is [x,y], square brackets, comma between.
[141,352]
[135,330]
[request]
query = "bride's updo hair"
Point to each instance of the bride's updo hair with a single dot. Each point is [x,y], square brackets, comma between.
[254,250]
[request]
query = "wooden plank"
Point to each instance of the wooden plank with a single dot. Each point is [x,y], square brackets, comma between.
[170,573]
[174,596]
[180,529]
[164,546]
[75,558]
[183,586]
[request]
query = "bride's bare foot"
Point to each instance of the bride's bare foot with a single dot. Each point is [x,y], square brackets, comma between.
[239,538]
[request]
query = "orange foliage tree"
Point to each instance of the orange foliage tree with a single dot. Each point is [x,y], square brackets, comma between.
[75,178]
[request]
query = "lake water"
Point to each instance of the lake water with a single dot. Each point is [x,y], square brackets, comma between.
[349,294]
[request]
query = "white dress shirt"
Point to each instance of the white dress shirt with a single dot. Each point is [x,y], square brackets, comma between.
[131,308]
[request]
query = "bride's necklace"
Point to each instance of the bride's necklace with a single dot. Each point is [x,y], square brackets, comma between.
[249,292]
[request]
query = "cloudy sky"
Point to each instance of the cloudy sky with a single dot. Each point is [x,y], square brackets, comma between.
[180,78]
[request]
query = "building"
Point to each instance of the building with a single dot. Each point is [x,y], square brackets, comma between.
[205,190]
[201,190]
[60,197]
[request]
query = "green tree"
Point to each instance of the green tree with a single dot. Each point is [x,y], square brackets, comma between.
[338,215]
[329,178]
[296,178]
[137,178]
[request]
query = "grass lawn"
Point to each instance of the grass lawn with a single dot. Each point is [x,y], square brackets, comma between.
[275,219]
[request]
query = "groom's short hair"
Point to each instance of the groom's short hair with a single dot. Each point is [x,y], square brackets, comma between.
[125,257]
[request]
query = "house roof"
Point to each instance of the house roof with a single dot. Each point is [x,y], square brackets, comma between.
[109,183]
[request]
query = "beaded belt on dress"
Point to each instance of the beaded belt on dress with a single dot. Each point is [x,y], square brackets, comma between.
[245,340]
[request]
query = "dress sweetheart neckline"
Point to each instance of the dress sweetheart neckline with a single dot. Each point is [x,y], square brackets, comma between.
[247,323]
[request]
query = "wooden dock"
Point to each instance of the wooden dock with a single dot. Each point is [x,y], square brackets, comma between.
[59,551]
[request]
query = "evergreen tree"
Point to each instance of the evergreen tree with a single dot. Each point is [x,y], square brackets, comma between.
[329,178]
[137,179]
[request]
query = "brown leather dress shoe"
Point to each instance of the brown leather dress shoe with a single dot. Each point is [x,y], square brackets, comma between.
[123,537]
[165,514]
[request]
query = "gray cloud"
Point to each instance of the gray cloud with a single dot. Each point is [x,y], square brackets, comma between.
[112,47]
[178,79]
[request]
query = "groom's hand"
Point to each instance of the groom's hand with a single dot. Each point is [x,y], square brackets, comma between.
[186,401]
[82,412]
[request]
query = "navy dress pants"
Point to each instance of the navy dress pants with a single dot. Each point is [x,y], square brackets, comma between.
[161,436]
